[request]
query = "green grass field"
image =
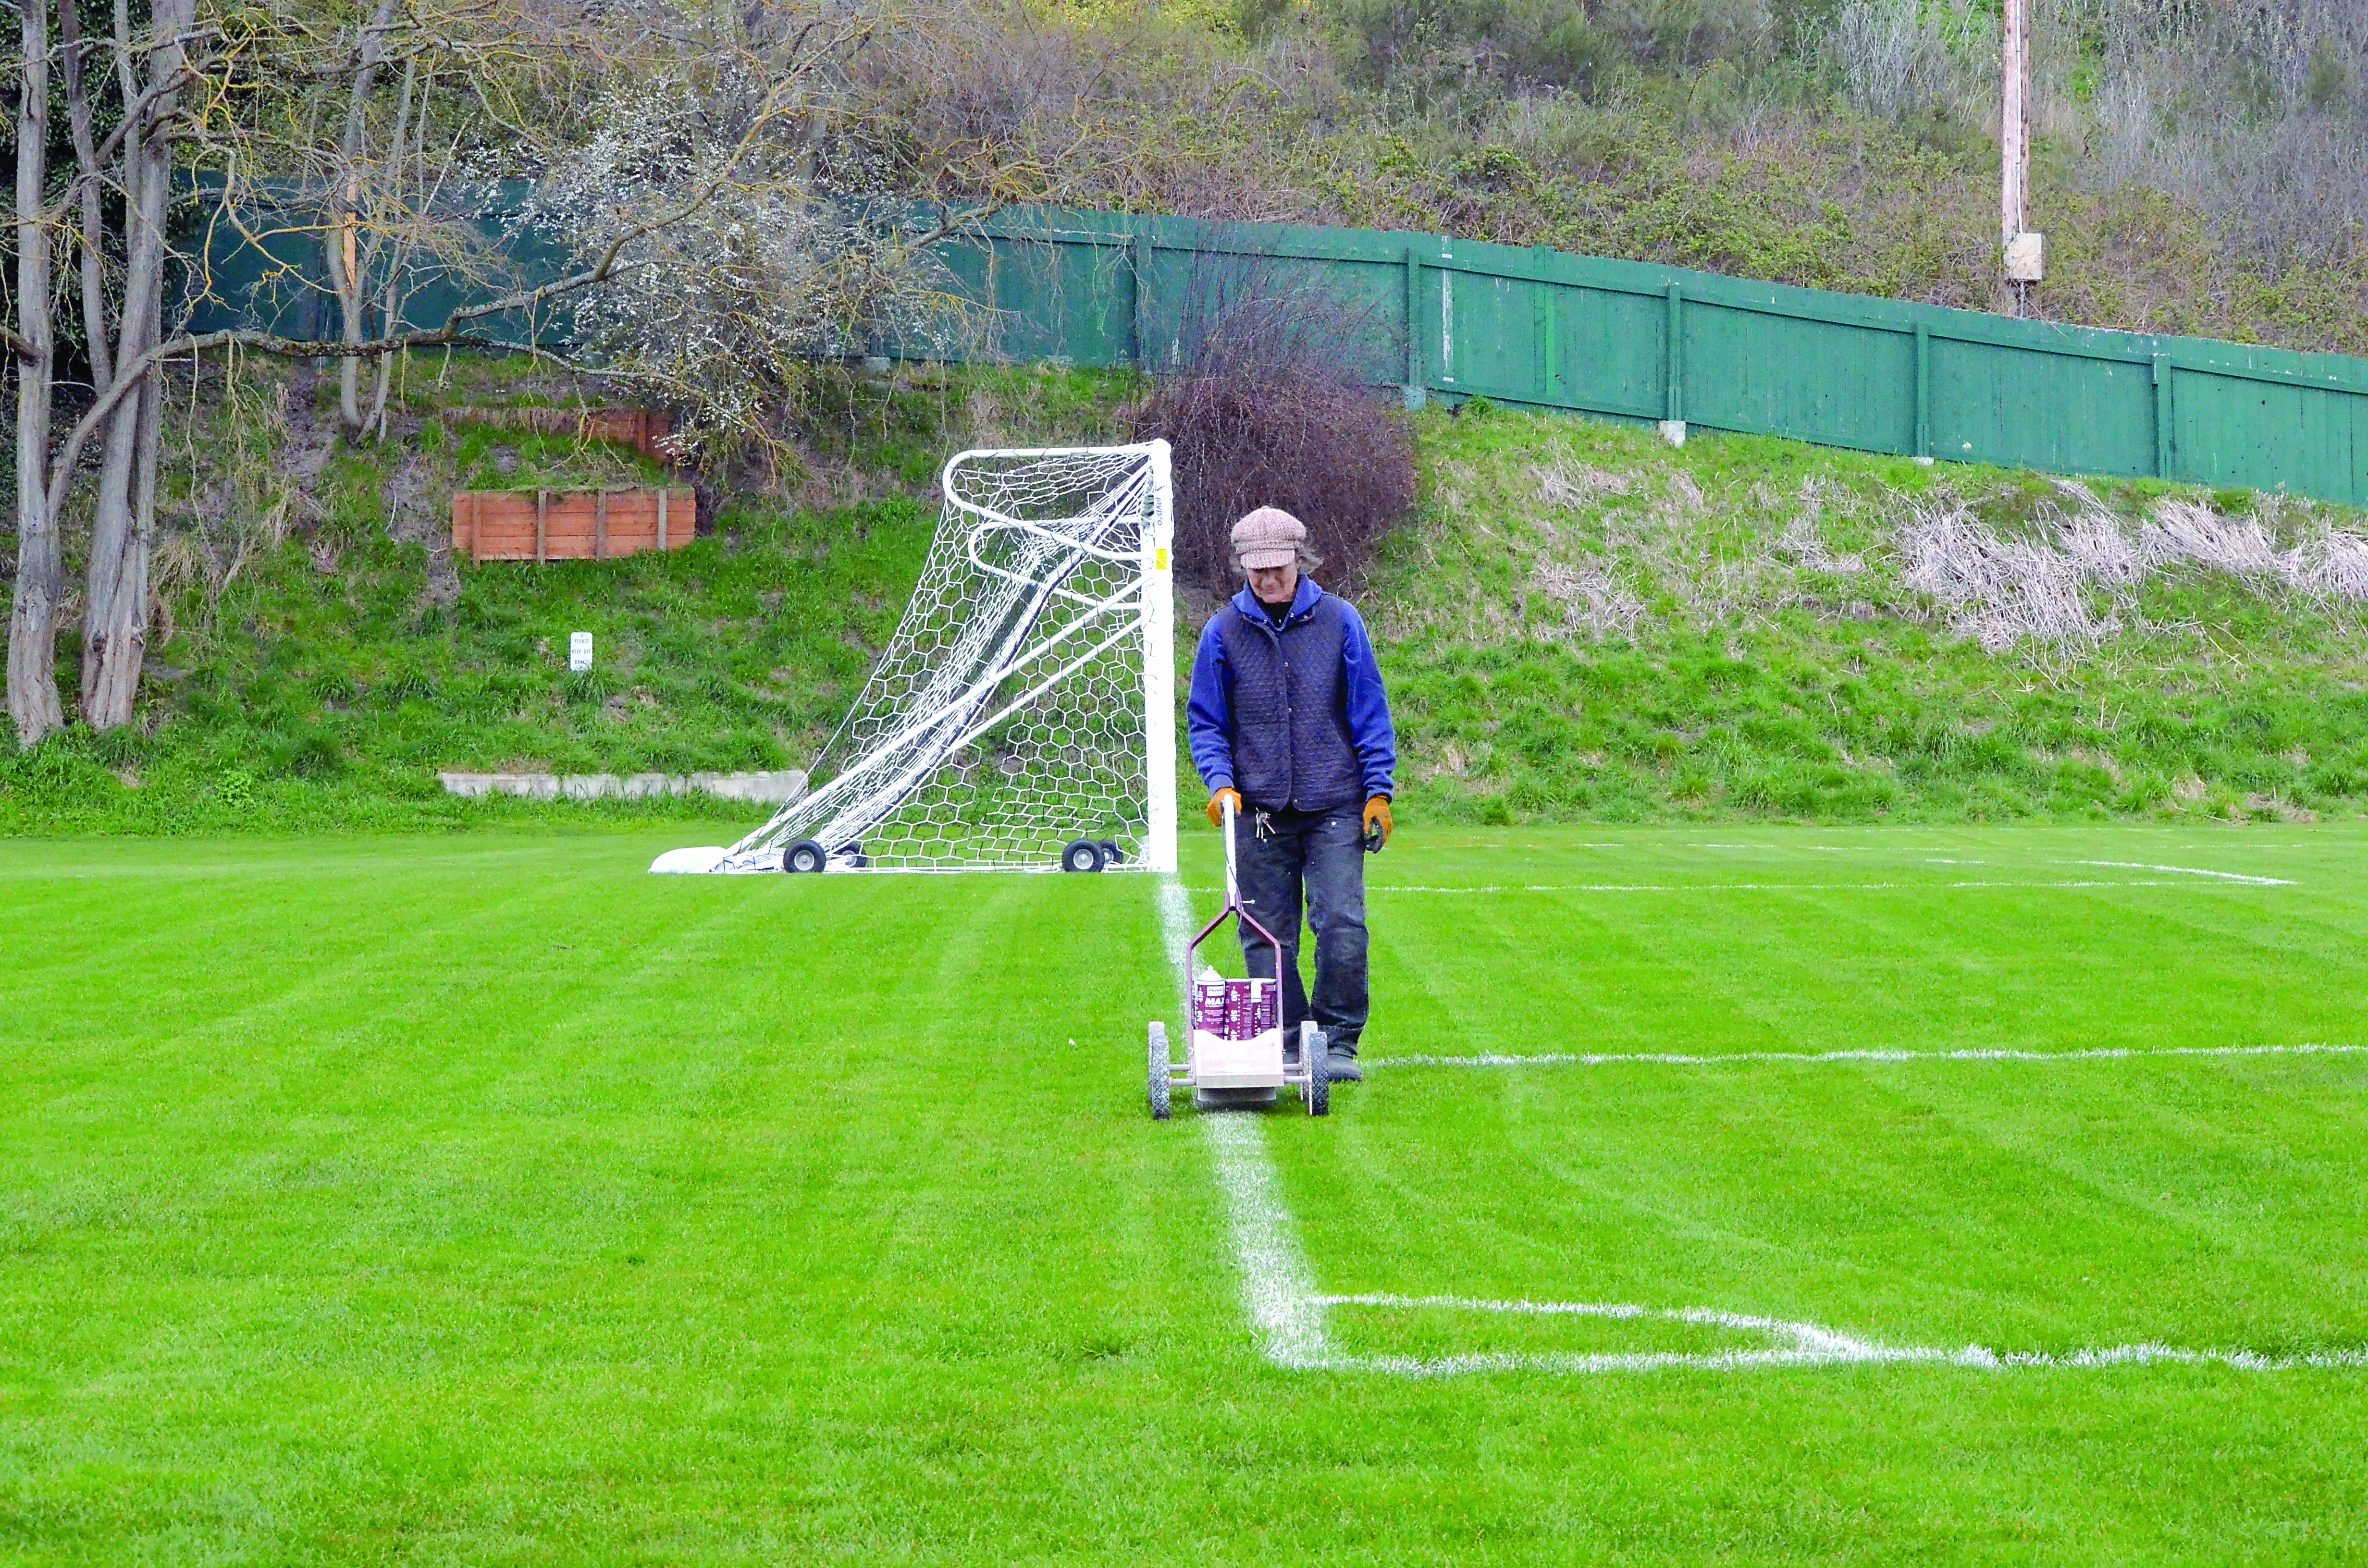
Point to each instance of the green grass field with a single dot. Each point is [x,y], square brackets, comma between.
[487,1200]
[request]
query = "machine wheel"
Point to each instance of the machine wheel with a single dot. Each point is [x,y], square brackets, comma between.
[1084,855]
[1159,1077]
[1319,1073]
[1111,854]
[805,854]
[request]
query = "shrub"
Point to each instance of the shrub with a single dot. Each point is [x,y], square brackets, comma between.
[235,788]
[1266,412]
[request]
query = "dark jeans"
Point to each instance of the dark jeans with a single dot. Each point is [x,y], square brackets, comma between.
[1277,854]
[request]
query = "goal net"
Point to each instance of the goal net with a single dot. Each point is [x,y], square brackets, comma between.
[1026,699]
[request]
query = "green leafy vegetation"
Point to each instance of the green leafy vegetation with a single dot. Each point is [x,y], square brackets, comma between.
[2196,169]
[322,653]
[1577,623]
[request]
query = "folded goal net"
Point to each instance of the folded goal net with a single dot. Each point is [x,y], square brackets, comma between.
[1027,699]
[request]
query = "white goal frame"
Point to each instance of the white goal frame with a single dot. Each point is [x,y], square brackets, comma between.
[1128,533]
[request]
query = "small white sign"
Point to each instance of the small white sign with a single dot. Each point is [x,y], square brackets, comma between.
[579,650]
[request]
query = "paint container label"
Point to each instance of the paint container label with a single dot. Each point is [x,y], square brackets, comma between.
[1245,1006]
[1209,1004]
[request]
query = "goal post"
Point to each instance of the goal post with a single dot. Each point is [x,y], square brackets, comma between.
[1027,699]
[1159,665]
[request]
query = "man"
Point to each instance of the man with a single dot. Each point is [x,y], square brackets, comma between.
[1288,717]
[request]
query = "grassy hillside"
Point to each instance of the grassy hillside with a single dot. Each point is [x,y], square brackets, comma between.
[1586,623]
[1579,624]
[321,654]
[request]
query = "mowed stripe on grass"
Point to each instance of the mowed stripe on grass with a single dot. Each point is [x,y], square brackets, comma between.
[488,1200]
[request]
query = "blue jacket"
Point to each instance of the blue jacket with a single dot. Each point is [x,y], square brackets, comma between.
[1287,763]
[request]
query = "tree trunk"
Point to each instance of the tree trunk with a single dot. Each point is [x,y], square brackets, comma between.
[33,617]
[115,619]
[94,221]
[344,270]
[390,310]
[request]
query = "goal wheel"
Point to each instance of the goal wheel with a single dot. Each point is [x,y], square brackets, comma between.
[1318,1054]
[1084,855]
[1111,854]
[1159,1073]
[805,854]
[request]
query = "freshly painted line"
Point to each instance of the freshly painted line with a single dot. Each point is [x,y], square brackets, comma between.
[1791,887]
[1799,1058]
[1798,1345]
[1176,929]
[1277,1287]
[1288,1316]
[1771,887]
[2190,872]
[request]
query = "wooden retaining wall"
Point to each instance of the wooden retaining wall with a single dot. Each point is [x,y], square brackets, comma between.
[571,524]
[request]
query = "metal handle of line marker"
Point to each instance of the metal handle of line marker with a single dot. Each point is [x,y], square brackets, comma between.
[1234,901]
[1233,893]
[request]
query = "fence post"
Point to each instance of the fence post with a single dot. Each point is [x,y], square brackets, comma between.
[2165,431]
[1446,314]
[664,492]
[1413,377]
[1549,354]
[1673,424]
[1923,452]
[1138,251]
[541,523]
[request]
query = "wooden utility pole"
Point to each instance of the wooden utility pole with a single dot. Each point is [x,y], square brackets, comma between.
[2021,250]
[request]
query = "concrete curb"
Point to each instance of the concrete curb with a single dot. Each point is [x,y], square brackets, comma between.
[757,789]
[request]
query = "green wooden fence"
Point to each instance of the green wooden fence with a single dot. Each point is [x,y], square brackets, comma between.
[1540,328]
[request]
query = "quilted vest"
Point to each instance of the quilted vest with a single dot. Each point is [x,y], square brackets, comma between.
[1291,749]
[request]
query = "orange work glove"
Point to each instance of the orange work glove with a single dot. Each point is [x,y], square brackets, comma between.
[1377,818]
[1217,805]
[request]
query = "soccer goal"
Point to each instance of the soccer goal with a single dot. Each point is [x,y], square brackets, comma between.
[1022,715]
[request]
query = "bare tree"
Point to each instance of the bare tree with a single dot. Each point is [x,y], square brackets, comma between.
[32,618]
[115,607]
[807,250]
[718,173]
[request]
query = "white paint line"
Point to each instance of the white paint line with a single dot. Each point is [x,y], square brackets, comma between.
[1798,1345]
[2152,1354]
[1176,929]
[1799,1058]
[1277,1287]
[1792,887]
[1288,1316]
[2190,872]
[1759,887]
